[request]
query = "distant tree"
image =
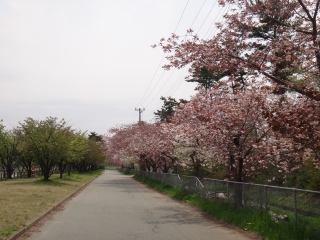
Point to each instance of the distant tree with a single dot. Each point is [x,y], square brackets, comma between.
[26,157]
[78,149]
[63,162]
[93,157]
[206,78]
[144,144]
[46,139]
[167,109]
[94,136]
[9,150]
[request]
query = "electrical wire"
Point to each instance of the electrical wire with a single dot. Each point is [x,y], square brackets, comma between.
[174,86]
[175,31]
[198,13]
[140,102]
[216,29]
[181,16]
[161,87]
[152,79]
[214,21]
[207,16]
[180,79]
[172,90]
[154,87]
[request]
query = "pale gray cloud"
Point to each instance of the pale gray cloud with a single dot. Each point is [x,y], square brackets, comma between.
[89,62]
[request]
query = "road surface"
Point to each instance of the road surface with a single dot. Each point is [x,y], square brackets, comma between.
[115,206]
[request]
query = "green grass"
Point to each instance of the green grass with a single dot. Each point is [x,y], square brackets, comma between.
[8,231]
[259,222]
[24,199]
[124,172]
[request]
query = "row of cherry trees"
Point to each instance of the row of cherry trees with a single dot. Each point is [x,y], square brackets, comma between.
[261,111]
[248,131]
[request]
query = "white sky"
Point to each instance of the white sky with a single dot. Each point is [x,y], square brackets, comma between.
[90,62]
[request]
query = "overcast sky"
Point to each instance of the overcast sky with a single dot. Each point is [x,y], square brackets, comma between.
[90,62]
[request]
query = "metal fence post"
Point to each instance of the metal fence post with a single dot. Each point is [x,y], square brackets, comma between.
[265,198]
[243,194]
[214,190]
[295,207]
[205,188]
[228,190]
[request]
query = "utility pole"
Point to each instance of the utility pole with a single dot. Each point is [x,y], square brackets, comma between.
[140,111]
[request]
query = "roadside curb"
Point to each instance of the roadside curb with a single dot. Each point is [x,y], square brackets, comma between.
[16,234]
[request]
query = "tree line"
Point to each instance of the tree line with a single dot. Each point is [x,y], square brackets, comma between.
[256,110]
[48,144]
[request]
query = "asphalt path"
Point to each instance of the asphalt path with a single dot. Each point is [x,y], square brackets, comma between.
[115,206]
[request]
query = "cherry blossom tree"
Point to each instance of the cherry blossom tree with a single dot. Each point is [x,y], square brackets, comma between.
[298,119]
[274,40]
[143,143]
[233,129]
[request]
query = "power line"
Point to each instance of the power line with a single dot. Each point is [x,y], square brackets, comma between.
[153,88]
[162,87]
[207,16]
[175,31]
[214,21]
[215,30]
[161,60]
[180,79]
[181,16]
[198,13]
[174,87]
[152,78]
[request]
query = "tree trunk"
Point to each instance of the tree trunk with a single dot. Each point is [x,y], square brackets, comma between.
[46,173]
[165,169]
[196,164]
[175,169]
[29,173]
[196,169]
[9,170]
[69,169]
[142,167]
[60,166]
[154,168]
[238,186]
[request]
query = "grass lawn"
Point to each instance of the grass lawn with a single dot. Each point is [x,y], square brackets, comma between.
[23,199]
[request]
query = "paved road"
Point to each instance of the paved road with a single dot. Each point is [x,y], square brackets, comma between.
[115,206]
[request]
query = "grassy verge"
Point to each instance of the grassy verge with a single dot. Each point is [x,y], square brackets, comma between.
[23,199]
[259,222]
[124,172]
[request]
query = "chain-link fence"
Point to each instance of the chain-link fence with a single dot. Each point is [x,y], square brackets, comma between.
[261,197]
[267,197]
[191,184]
[167,178]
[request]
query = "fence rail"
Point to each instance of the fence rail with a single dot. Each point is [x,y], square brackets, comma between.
[263,197]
